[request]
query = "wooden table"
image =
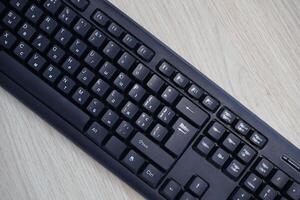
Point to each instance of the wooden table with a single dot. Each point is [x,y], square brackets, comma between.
[250,48]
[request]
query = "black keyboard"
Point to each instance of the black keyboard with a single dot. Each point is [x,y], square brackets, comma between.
[137,107]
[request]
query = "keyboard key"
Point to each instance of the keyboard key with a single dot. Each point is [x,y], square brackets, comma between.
[115,147]
[110,118]
[11,20]
[152,175]
[216,131]
[115,30]
[211,103]
[56,54]
[152,151]
[181,80]
[205,146]
[264,167]
[231,142]
[137,92]
[155,83]
[122,81]
[191,111]
[258,140]
[151,104]
[130,110]
[97,39]
[71,65]
[115,98]
[48,25]
[125,129]
[95,107]
[145,53]
[107,70]
[81,96]
[198,186]
[227,116]
[170,190]
[253,182]
[100,18]
[111,50]
[22,50]
[85,76]
[80,4]
[166,115]
[93,59]
[144,121]
[78,48]
[34,13]
[130,41]
[26,31]
[235,169]
[166,69]
[268,193]
[195,91]
[170,95]
[126,61]
[63,36]
[140,72]
[52,5]
[66,85]
[41,43]
[294,191]
[82,27]
[97,133]
[51,73]
[18,4]
[37,62]
[220,157]
[242,128]
[187,196]
[158,133]
[100,88]
[133,161]
[241,194]
[279,179]
[184,132]
[246,154]
[67,16]
[7,40]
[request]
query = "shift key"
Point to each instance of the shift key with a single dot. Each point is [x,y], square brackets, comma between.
[152,151]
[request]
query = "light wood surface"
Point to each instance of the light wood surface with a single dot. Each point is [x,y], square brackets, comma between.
[251,48]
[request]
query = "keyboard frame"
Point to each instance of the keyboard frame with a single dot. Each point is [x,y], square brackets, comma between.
[276,147]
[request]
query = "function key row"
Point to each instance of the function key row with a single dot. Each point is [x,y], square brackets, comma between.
[123,36]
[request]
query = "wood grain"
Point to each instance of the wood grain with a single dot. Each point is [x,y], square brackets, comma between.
[249,48]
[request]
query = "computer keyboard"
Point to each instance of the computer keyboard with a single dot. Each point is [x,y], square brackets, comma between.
[137,107]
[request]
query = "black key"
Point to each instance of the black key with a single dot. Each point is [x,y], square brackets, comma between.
[227,116]
[294,191]
[107,70]
[170,95]
[115,30]
[48,25]
[170,190]
[195,91]
[115,98]
[22,50]
[216,131]
[144,121]
[100,18]
[125,129]
[140,72]
[235,169]
[242,127]
[166,69]
[191,111]
[137,92]
[210,103]
[66,85]
[95,107]
[37,62]
[145,53]
[80,4]
[67,16]
[181,80]
[198,186]
[231,142]
[7,40]
[41,43]
[151,103]
[110,118]
[152,151]
[258,139]
[152,175]
[158,132]
[126,61]
[205,146]
[133,161]
[129,110]
[253,182]
[71,65]
[63,36]
[18,4]
[34,13]
[26,31]
[93,59]
[52,5]
[86,76]
[11,20]
[115,147]
[111,50]
[246,154]
[97,133]
[51,73]
[82,27]
[155,83]
[81,96]
[100,88]
[56,54]
[264,167]
[184,132]
[241,194]
[187,196]
[78,48]
[166,115]
[97,38]
[122,81]
[220,157]
[279,179]
[130,41]
[268,193]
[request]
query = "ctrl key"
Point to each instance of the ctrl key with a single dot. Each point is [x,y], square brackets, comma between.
[151,175]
